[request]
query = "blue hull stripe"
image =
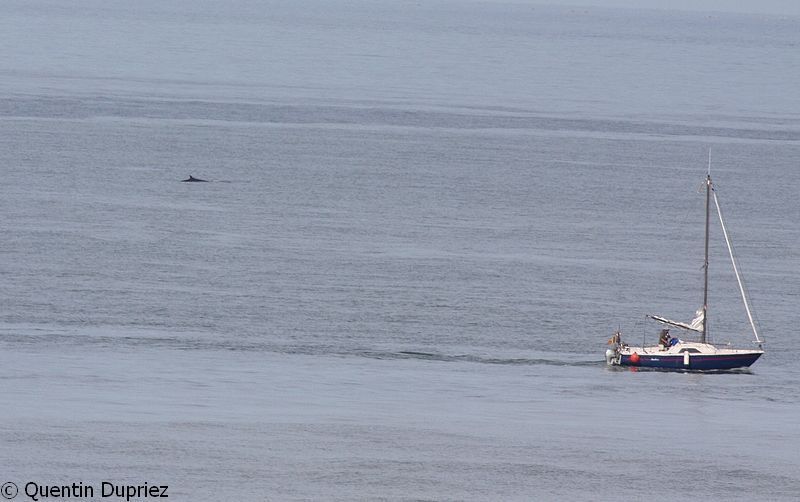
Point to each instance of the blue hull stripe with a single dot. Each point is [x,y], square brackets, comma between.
[696,362]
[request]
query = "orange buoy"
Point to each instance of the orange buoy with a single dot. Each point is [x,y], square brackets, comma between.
[635,358]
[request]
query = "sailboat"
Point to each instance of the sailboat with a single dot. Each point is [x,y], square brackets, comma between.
[677,354]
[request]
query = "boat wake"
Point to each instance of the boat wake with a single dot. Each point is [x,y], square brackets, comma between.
[521,361]
[125,338]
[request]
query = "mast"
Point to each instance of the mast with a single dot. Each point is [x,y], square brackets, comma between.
[705,264]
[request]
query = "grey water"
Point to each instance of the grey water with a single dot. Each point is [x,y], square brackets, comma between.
[424,221]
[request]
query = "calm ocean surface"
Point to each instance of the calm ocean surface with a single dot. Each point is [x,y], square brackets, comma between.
[425,220]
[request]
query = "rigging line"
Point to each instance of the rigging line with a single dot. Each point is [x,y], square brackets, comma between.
[736,269]
[744,285]
[644,333]
[636,325]
[746,289]
[690,210]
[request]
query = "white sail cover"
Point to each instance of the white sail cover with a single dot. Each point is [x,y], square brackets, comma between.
[695,325]
[699,319]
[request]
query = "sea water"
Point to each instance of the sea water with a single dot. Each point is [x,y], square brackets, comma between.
[423,222]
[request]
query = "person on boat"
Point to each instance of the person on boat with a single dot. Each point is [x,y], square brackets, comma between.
[664,339]
[616,339]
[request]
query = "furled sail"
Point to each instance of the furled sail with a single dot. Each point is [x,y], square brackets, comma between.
[699,319]
[695,325]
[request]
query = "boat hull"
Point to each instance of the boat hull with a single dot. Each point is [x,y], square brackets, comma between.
[700,362]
